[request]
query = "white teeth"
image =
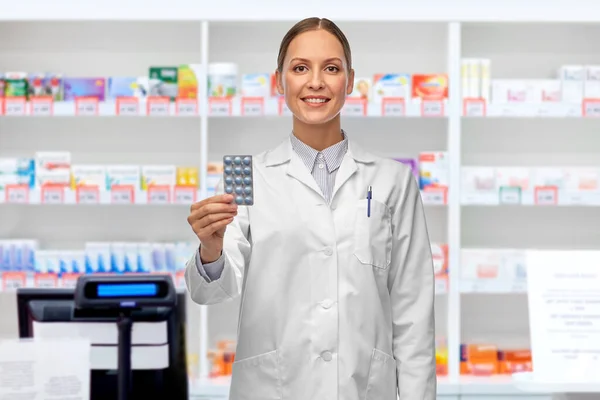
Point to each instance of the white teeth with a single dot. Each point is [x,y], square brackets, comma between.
[315,100]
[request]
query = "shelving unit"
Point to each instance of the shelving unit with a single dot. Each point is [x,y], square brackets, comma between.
[116,39]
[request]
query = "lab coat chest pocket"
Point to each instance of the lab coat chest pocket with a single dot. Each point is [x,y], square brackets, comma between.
[373,234]
[382,381]
[256,378]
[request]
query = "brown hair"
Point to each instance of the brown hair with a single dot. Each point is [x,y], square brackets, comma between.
[313,24]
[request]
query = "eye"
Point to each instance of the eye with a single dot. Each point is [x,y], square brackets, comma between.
[300,68]
[332,68]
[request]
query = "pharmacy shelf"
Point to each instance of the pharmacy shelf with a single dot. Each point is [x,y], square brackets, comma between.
[526,381]
[13,280]
[493,286]
[502,385]
[270,107]
[216,107]
[91,195]
[163,196]
[480,109]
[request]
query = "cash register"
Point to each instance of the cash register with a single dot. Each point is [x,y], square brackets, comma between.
[135,325]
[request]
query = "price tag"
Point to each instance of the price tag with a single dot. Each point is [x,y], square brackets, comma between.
[86,106]
[69,280]
[186,107]
[393,107]
[283,108]
[47,280]
[219,107]
[128,106]
[121,194]
[355,107]
[435,195]
[13,280]
[159,194]
[158,106]
[591,108]
[432,108]
[510,195]
[546,195]
[14,106]
[474,107]
[185,194]
[88,195]
[543,110]
[180,279]
[42,106]
[53,194]
[17,194]
[253,106]
[518,287]
[441,286]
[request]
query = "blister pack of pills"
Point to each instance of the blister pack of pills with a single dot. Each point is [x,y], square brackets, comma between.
[238,178]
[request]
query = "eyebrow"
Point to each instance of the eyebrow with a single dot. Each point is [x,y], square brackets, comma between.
[308,61]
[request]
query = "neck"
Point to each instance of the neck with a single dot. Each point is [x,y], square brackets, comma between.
[319,137]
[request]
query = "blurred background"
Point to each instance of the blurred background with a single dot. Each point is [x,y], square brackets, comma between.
[108,133]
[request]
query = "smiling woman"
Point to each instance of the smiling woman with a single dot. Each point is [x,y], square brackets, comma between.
[332,260]
[314,72]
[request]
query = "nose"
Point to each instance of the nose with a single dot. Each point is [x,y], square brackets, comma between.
[316,80]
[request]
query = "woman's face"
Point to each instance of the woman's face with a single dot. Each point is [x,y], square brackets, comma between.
[315,78]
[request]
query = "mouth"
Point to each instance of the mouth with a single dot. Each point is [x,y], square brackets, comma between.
[315,100]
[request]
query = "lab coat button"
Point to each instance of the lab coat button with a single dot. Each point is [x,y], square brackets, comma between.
[326,356]
[328,251]
[327,303]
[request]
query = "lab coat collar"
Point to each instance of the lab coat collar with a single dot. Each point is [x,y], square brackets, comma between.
[283,154]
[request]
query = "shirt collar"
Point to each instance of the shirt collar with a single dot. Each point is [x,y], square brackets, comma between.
[333,155]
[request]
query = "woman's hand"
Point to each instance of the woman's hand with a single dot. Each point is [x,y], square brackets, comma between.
[209,219]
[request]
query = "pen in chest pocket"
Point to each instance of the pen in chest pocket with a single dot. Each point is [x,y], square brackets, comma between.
[369,197]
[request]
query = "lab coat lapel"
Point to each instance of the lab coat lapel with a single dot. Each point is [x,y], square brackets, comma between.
[297,170]
[347,169]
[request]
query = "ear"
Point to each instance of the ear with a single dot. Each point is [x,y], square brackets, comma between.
[350,86]
[279,81]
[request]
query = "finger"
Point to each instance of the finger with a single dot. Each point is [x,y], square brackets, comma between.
[224,198]
[214,208]
[208,219]
[208,230]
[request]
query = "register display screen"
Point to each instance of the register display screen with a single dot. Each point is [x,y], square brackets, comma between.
[125,290]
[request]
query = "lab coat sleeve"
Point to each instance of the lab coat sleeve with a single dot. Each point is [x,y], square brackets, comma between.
[236,254]
[412,292]
[210,271]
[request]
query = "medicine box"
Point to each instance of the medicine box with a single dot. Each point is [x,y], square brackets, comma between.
[85,87]
[391,86]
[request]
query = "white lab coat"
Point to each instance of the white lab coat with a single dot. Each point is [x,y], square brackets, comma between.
[335,305]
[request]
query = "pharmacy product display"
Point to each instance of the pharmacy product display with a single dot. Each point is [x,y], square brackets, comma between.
[573,91]
[51,177]
[24,264]
[531,185]
[229,94]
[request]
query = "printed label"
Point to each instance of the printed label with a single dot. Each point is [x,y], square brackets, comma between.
[253,106]
[158,106]
[42,106]
[393,107]
[86,106]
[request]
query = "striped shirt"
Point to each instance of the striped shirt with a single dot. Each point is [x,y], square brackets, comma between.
[323,165]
